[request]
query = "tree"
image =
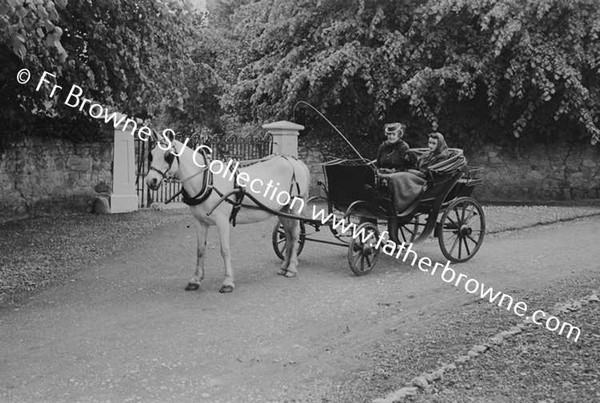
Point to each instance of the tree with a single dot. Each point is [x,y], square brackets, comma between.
[31,23]
[28,37]
[133,56]
[533,62]
[493,69]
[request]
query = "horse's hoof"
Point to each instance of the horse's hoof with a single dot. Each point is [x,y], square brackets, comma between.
[226,289]
[192,287]
[291,274]
[282,272]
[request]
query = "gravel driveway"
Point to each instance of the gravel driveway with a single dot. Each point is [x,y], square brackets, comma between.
[117,325]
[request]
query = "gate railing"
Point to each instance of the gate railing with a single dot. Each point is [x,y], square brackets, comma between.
[237,148]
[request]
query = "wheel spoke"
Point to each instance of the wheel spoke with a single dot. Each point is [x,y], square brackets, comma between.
[362,263]
[467,247]
[469,236]
[452,221]
[368,260]
[470,217]
[453,245]
[281,246]
[402,232]
[457,217]
[459,246]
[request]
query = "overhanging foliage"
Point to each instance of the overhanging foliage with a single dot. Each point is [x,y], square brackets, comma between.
[491,68]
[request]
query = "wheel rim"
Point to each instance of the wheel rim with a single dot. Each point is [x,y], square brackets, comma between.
[362,256]
[462,229]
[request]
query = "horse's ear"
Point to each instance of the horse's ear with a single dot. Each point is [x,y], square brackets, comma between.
[170,134]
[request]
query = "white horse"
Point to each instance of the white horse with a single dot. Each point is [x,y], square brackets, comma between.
[204,187]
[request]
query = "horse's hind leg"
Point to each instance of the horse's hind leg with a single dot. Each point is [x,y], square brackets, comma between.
[201,234]
[286,256]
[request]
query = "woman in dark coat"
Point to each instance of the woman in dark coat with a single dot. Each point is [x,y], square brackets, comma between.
[407,186]
[392,153]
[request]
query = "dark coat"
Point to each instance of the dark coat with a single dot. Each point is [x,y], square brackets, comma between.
[393,155]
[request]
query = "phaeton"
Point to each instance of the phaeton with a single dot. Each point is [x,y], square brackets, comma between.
[355,192]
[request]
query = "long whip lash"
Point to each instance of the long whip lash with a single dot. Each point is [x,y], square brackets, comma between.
[327,120]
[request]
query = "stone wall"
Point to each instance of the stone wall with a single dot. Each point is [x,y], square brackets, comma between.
[546,172]
[542,173]
[46,175]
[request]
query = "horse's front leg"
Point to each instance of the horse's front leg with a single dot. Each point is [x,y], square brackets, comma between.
[224,228]
[201,235]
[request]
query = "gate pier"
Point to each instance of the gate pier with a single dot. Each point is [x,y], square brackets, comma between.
[285,137]
[123,197]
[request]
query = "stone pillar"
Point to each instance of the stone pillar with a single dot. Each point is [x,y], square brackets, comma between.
[124,197]
[285,137]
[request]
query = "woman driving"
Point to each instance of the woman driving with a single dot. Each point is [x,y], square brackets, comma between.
[392,153]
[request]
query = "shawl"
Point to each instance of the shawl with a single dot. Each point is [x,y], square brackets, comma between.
[440,153]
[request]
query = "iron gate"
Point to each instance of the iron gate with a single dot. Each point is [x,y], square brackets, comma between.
[223,149]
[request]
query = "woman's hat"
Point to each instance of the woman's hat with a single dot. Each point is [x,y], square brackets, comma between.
[391,128]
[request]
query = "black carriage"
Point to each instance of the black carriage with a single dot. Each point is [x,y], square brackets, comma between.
[356,193]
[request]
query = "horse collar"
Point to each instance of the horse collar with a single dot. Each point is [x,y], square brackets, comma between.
[207,185]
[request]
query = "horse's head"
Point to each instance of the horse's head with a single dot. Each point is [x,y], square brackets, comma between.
[163,164]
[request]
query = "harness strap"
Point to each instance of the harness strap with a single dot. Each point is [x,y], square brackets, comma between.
[239,196]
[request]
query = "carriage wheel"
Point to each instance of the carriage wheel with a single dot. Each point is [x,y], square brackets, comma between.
[410,231]
[461,229]
[362,255]
[278,240]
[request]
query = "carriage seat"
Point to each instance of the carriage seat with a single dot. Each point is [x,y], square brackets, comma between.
[440,179]
[454,163]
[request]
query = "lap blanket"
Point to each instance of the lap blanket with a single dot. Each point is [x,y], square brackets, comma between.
[405,187]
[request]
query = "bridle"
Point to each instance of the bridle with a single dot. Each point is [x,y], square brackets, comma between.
[169,158]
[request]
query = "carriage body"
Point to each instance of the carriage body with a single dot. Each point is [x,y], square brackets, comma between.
[356,193]
[445,208]
[348,181]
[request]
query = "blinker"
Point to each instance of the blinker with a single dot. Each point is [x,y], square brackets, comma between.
[169,156]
